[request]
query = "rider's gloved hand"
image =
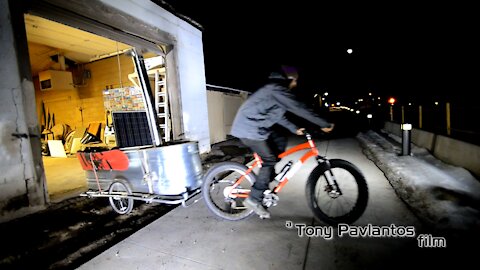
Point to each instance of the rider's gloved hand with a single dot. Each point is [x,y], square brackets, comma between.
[300,131]
[328,129]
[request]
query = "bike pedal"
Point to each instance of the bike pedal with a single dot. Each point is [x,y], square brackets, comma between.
[264,216]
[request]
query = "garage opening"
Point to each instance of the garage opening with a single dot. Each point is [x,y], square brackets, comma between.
[82,82]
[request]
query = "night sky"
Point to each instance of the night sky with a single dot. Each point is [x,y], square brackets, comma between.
[404,50]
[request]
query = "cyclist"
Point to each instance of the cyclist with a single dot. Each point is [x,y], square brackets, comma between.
[254,122]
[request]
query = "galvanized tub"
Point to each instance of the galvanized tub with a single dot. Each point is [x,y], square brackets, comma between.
[172,169]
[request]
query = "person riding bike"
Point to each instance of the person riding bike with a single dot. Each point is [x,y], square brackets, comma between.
[254,125]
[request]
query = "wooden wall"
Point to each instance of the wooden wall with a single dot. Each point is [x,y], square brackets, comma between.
[77,108]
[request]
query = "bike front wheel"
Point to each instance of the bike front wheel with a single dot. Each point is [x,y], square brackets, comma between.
[343,203]
[221,196]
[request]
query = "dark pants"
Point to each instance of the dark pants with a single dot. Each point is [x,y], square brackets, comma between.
[268,150]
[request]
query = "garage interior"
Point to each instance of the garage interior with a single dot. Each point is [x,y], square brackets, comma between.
[81,79]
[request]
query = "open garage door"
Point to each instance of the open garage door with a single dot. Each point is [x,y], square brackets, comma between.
[81,79]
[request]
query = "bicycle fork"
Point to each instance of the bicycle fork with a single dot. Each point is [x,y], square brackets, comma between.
[332,185]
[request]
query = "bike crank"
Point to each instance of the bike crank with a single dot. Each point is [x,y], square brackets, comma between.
[270,199]
[230,192]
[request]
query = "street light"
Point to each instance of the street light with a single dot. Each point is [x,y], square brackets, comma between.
[391,101]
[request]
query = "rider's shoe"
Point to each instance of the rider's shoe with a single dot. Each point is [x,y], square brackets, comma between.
[257,208]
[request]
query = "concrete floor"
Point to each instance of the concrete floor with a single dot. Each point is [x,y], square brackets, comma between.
[194,238]
[65,177]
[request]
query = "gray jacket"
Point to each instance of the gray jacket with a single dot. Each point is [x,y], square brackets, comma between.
[267,107]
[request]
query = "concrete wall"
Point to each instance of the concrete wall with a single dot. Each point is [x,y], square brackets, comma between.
[22,180]
[232,104]
[189,64]
[422,138]
[222,108]
[393,128]
[449,150]
[459,153]
[215,116]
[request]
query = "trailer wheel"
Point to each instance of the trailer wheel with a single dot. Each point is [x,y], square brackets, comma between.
[120,205]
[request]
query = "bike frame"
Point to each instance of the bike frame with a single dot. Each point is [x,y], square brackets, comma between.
[313,152]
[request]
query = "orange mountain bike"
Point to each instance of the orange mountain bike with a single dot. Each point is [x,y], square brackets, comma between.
[336,189]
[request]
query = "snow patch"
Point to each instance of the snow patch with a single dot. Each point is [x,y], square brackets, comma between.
[443,196]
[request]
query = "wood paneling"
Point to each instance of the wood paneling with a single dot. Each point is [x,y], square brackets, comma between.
[77,108]
[75,44]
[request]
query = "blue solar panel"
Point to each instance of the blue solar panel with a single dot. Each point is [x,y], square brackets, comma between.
[131,129]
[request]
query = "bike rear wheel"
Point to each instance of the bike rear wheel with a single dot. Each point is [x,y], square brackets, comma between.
[220,196]
[333,207]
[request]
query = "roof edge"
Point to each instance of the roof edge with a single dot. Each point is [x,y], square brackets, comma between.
[172,10]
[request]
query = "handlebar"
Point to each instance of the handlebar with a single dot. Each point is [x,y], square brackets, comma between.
[307,134]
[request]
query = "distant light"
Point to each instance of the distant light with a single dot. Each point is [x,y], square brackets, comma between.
[338,103]
[349,51]
[325,94]
[409,104]
[316,95]
[352,110]
[378,97]
[369,94]
[357,111]
[360,99]
[369,116]
[436,102]
[391,100]
[323,98]
[326,104]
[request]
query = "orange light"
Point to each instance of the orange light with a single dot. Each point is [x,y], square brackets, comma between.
[391,100]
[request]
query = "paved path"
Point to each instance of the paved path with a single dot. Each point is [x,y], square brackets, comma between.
[193,238]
